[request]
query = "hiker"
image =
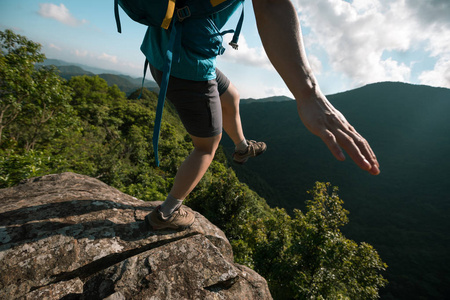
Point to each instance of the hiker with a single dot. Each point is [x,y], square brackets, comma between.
[206,100]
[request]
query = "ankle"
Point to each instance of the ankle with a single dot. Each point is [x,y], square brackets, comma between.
[241,146]
[170,205]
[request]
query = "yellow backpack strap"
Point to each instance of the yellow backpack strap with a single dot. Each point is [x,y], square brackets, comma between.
[169,14]
[216,2]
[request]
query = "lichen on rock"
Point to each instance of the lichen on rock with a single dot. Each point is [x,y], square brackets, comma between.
[73,237]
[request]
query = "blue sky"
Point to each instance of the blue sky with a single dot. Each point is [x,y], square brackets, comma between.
[349,43]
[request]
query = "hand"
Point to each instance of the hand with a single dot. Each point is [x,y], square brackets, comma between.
[325,121]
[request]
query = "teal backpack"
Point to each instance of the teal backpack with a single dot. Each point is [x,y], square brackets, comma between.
[200,36]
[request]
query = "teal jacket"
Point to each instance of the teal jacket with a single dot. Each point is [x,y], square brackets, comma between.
[192,65]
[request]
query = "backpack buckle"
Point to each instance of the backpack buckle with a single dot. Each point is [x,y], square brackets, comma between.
[183,13]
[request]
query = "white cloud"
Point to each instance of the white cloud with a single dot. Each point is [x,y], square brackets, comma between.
[80,53]
[111,58]
[440,76]
[53,46]
[277,91]
[366,6]
[315,63]
[393,70]
[430,11]
[356,35]
[255,57]
[60,13]
[133,66]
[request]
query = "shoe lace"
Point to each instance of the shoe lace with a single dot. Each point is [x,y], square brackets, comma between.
[252,146]
[181,212]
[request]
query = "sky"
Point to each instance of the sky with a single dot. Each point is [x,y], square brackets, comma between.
[348,43]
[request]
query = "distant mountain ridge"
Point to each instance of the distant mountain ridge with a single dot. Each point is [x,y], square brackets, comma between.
[60,63]
[404,211]
[125,83]
[267,99]
[69,71]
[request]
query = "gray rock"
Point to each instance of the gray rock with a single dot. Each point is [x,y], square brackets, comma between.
[69,236]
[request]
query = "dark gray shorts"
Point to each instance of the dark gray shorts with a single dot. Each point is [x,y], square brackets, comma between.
[197,102]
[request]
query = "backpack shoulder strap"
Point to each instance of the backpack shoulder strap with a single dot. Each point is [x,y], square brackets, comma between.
[169,14]
[237,31]
[172,53]
[116,15]
[203,8]
[150,13]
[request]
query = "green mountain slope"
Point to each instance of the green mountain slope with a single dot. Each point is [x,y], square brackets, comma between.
[58,63]
[68,72]
[126,83]
[404,211]
[268,99]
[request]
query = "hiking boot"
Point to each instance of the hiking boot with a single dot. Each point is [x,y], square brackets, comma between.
[254,149]
[180,219]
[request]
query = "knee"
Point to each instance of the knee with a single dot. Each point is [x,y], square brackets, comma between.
[206,149]
[234,95]
[230,99]
[207,146]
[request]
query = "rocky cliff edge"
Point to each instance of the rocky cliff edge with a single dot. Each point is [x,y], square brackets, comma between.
[69,236]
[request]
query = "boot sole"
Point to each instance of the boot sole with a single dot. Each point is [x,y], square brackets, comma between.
[243,162]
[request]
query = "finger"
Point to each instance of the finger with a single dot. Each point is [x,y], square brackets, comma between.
[330,140]
[349,145]
[365,150]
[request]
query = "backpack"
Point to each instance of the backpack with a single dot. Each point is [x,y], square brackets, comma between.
[201,36]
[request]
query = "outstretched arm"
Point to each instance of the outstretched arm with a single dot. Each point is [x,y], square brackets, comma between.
[281,36]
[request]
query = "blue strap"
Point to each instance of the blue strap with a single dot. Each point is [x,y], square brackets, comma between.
[237,32]
[116,14]
[171,54]
[143,78]
[227,31]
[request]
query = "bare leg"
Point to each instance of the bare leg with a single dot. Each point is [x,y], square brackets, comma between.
[230,114]
[231,120]
[194,166]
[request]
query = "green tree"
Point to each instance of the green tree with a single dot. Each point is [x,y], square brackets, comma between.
[34,101]
[307,256]
[93,99]
[15,167]
[17,58]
